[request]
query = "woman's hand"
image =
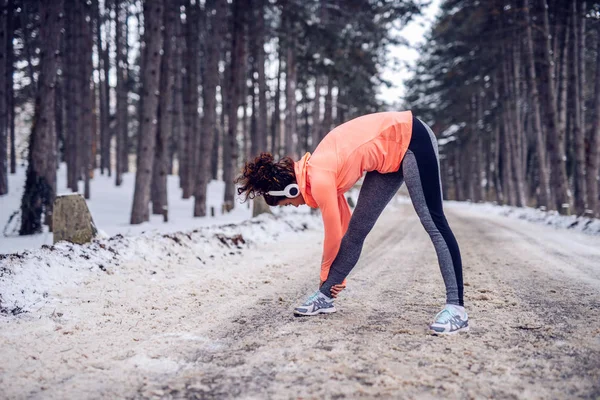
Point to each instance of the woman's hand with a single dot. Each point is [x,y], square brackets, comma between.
[335,289]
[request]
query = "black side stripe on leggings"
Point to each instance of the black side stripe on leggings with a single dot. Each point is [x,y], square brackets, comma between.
[422,146]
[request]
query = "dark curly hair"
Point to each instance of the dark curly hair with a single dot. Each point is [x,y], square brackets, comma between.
[263,174]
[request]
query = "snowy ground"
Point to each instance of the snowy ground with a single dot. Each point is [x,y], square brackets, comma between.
[206,315]
[198,309]
[551,218]
[111,209]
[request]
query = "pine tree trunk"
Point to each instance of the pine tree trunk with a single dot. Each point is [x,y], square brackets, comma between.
[190,98]
[511,159]
[456,168]
[103,66]
[496,166]
[27,47]
[544,190]
[555,144]
[4,112]
[121,130]
[10,87]
[71,92]
[316,114]
[328,111]
[481,175]
[58,115]
[581,60]
[304,133]
[253,124]
[177,132]
[215,20]
[564,49]
[126,141]
[290,94]
[178,118]
[340,110]
[517,130]
[160,168]
[576,103]
[510,75]
[507,165]
[40,184]
[86,68]
[153,19]
[245,145]
[218,132]
[261,137]
[237,68]
[593,159]
[276,119]
[218,157]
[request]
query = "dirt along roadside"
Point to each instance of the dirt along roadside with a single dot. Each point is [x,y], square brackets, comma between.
[532,292]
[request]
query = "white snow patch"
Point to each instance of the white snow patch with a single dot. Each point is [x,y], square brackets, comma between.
[553,218]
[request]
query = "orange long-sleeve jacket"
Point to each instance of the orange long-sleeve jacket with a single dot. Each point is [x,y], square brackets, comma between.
[374,142]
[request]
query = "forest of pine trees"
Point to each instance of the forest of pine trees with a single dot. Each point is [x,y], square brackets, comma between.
[196,87]
[513,87]
[186,87]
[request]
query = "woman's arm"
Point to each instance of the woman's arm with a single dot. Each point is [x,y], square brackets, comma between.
[335,213]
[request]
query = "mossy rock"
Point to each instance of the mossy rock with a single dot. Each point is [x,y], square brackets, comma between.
[72,220]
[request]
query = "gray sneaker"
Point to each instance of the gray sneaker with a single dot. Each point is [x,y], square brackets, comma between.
[452,319]
[318,303]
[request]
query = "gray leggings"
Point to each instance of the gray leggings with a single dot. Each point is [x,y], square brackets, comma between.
[420,169]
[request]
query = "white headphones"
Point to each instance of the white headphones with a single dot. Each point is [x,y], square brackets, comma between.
[291,191]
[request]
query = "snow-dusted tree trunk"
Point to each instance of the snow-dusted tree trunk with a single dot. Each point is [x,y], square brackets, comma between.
[153,19]
[160,169]
[216,16]
[40,184]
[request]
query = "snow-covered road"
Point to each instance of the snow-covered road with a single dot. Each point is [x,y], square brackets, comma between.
[189,330]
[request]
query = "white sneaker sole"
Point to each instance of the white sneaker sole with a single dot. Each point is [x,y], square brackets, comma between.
[319,311]
[435,333]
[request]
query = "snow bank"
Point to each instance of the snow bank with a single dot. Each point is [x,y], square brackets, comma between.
[582,224]
[28,278]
